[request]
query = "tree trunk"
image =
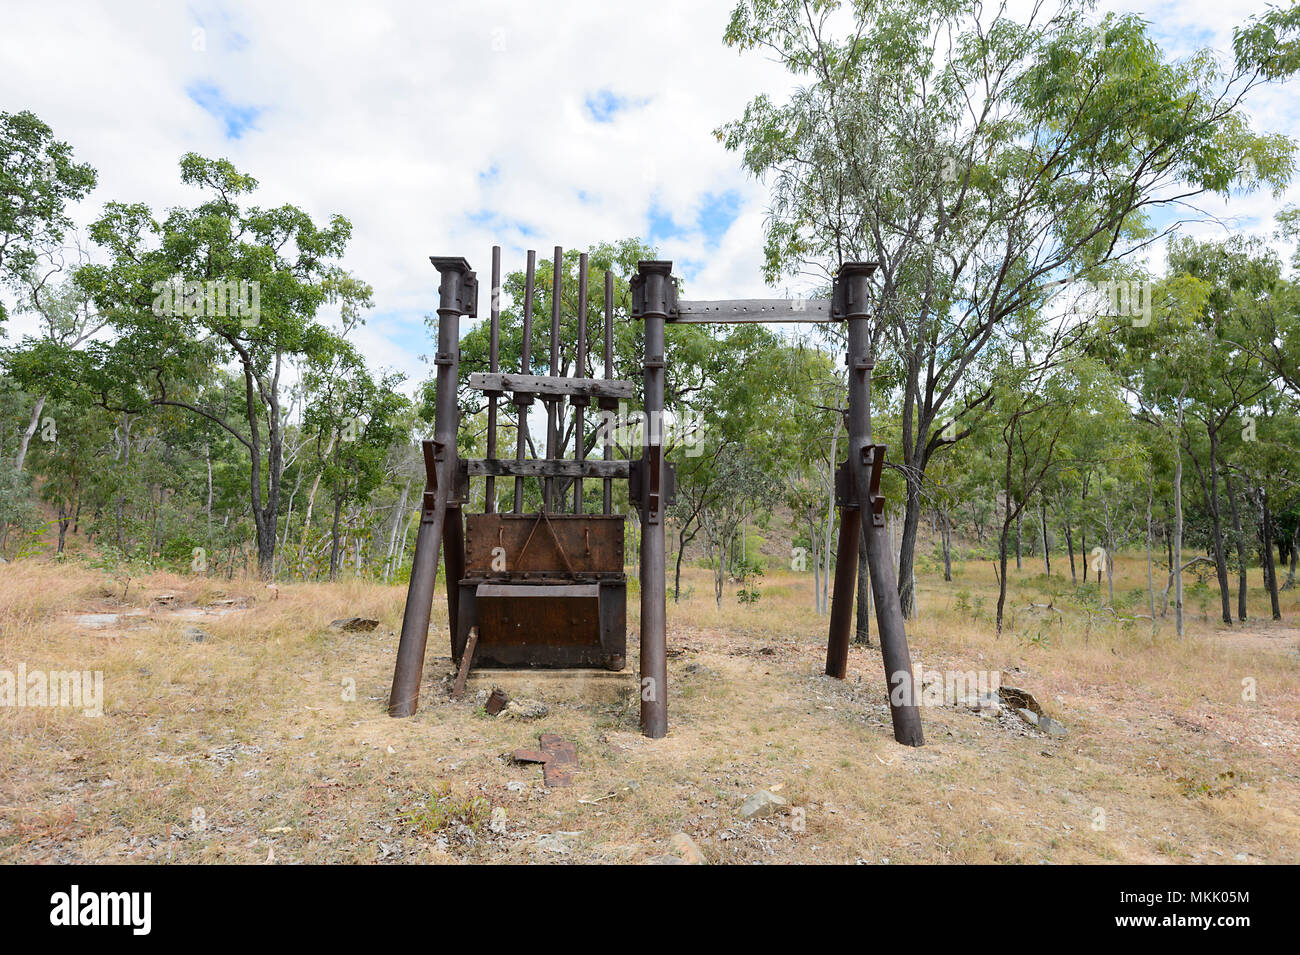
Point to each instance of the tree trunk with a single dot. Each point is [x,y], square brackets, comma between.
[334,538]
[1069,547]
[1042,524]
[1019,565]
[947,546]
[389,558]
[1212,501]
[907,546]
[1241,545]
[1266,542]
[30,430]
[1178,520]
[1151,586]
[862,632]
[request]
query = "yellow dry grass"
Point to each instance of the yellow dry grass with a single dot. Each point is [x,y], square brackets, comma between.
[249,747]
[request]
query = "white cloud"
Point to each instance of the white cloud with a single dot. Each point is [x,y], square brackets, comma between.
[392,113]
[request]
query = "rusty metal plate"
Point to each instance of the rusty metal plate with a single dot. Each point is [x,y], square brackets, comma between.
[561,624]
[544,616]
[500,545]
[558,756]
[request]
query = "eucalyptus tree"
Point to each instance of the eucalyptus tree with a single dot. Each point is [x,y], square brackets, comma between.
[218,285]
[979,157]
[38,179]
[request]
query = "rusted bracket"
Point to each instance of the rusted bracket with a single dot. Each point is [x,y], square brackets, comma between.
[846,491]
[559,759]
[873,456]
[658,296]
[638,481]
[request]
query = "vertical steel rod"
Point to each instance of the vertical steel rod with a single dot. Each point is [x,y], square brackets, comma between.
[606,424]
[494,354]
[655,280]
[523,401]
[580,371]
[552,430]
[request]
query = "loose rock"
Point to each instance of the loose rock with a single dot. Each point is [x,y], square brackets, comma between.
[525,710]
[354,624]
[762,803]
[1051,727]
[686,848]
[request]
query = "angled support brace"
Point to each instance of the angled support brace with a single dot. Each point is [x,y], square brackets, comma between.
[861,491]
[457,296]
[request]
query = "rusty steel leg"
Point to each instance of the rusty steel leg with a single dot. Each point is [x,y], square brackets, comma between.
[903,708]
[653,290]
[852,294]
[405,695]
[453,556]
[457,296]
[846,577]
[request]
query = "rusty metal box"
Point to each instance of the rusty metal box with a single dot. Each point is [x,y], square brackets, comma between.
[544,591]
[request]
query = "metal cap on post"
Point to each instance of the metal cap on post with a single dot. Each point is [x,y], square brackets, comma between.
[457,296]
[654,298]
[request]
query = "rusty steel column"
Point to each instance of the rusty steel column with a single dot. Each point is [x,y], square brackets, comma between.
[653,297]
[851,297]
[494,365]
[606,424]
[846,575]
[457,296]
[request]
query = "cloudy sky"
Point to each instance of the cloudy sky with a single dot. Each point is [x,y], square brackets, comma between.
[443,127]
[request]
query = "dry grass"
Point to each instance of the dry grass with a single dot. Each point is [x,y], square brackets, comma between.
[245,747]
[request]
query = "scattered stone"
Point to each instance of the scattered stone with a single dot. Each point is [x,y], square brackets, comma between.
[687,850]
[498,821]
[97,621]
[354,624]
[496,701]
[195,634]
[1029,716]
[986,704]
[1051,727]
[524,709]
[552,842]
[762,803]
[1019,699]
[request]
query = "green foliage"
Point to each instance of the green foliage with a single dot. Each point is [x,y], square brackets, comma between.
[38,179]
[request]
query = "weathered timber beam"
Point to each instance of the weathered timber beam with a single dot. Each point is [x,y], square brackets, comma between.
[548,385]
[752,310]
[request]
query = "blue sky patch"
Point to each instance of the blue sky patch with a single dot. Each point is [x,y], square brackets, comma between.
[604,105]
[236,119]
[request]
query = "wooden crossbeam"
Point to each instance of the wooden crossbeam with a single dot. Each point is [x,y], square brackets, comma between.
[544,467]
[753,310]
[553,385]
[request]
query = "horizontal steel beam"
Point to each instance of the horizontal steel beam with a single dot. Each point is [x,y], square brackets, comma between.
[546,467]
[553,385]
[752,310]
